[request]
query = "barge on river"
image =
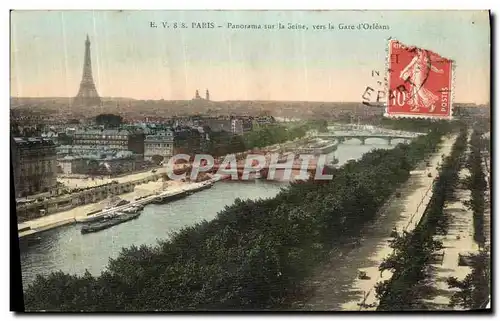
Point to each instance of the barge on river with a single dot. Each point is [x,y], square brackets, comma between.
[202,186]
[97,216]
[169,197]
[109,222]
[318,148]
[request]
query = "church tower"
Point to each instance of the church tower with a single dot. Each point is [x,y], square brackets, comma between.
[207,95]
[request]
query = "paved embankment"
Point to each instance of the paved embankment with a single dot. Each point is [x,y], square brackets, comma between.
[72,216]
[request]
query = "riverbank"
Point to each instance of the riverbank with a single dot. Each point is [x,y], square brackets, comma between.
[66,249]
[146,192]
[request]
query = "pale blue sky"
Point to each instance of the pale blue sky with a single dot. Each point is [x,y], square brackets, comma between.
[131,59]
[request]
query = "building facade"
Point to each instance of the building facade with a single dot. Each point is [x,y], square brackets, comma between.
[190,140]
[112,139]
[72,165]
[237,126]
[219,124]
[160,143]
[234,124]
[35,166]
[100,164]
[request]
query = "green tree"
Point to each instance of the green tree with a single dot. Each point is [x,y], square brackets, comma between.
[473,291]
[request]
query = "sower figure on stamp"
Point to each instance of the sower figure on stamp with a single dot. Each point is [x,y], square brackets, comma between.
[416,73]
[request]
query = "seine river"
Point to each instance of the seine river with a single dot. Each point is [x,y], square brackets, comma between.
[68,250]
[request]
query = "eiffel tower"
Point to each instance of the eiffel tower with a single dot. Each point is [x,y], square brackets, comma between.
[87,95]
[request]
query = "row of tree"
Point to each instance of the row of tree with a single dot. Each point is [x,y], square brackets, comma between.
[414,252]
[473,291]
[477,186]
[222,143]
[251,256]
[419,125]
[406,124]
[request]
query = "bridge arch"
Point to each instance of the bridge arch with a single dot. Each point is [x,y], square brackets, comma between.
[343,139]
[363,138]
[375,140]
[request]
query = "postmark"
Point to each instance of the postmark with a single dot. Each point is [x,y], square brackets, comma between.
[375,95]
[419,83]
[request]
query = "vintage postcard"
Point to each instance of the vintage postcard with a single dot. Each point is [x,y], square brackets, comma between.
[250,160]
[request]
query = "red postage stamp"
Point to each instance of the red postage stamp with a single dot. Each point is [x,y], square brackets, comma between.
[420,83]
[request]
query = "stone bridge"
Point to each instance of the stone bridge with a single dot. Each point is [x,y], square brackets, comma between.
[279,170]
[363,137]
[295,166]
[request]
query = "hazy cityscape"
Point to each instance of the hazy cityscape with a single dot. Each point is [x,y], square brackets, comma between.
[402,225]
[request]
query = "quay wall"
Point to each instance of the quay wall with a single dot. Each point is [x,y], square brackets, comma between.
[87,196]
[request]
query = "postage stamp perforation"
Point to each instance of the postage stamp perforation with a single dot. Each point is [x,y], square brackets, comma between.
[387,72]
[429,117]
[452,83]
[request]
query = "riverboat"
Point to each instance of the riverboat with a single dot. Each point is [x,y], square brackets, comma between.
[202,186]
[133,209]
[169,197]
[139,206]
[107,223]
[317,148]
[98,217]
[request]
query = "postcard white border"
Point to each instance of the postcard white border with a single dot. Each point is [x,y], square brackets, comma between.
[192,4]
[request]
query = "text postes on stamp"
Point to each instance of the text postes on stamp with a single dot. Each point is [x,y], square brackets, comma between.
[420,83]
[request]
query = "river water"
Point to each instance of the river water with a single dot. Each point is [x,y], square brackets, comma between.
[68,250]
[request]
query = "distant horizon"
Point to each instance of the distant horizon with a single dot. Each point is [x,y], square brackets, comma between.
[230,100]
[131,58]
